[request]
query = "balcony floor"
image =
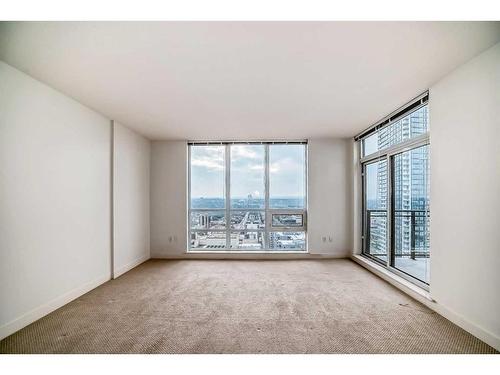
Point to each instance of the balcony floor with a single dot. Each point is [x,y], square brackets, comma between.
[418,268]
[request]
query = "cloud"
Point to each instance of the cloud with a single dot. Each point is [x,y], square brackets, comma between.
[247,152]
[285,165]
[256,167]
[247,170]
[207,163]
[209,157]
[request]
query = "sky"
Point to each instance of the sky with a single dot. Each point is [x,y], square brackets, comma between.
[286,171]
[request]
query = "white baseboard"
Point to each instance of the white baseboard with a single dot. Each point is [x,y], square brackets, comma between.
[475,330]
[39,312]
[120,271]
[425,298]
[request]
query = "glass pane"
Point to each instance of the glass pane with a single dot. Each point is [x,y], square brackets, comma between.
[287,240]
[247,240]
[208,220]
[208,240]
[247,176]
[411,213]
[287,220]
[287,173]
[207,177]
[370,144]
[247,220]
[410,126]
[376,209]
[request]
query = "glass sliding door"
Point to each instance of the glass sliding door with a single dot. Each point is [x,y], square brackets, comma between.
[410,213]
[375,210]
[394,161]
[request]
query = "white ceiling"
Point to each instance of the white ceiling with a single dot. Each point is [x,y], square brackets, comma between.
[243,80]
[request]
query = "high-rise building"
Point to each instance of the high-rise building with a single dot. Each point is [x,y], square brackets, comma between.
[411,183]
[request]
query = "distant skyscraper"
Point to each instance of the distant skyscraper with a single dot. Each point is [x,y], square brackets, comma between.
[410,187]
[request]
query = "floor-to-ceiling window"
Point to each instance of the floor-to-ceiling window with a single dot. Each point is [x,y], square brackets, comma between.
[247,196]
[394,157]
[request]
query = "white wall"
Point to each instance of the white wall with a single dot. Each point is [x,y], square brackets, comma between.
[465,192]
[131,162]
[329,194]
[168,198]
[55,228]
[329,189]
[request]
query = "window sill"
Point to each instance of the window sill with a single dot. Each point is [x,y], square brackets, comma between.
[414,290]
[246,252]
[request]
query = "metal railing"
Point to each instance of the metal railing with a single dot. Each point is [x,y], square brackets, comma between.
[376,226]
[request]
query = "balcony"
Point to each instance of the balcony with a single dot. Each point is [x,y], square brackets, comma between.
[411,240]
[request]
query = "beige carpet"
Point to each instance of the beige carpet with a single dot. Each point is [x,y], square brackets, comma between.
[295,306]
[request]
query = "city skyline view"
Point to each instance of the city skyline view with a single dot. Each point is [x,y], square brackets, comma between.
[286,171]
[250,228]
[249,202]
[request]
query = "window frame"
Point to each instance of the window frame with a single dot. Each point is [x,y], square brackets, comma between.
[363,210]
[284,228]
[228,210]
[388,154]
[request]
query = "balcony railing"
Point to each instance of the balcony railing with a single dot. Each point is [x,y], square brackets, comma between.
[417,245]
